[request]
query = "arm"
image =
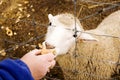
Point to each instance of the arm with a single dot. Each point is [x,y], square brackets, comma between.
[31,66]
[14,70]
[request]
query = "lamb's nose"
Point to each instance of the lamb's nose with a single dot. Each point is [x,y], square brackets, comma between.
[48,46]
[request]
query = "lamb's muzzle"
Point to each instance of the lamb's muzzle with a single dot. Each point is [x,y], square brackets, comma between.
[49,46]
[46,48]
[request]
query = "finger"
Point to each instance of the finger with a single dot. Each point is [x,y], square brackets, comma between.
[35,52]
[51,65]
[49,56]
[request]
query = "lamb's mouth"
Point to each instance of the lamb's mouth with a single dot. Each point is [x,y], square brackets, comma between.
[45,45]
[48,46]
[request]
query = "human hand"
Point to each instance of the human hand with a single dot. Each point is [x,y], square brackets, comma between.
[39,65]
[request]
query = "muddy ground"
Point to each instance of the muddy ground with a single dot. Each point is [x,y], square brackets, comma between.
[23,23]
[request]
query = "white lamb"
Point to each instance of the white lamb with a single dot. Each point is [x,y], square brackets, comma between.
[96,56]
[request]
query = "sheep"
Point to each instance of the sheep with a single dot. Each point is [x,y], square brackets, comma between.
[85,56]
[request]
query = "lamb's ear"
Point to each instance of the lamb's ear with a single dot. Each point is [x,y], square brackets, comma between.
[87,37]
[50,16]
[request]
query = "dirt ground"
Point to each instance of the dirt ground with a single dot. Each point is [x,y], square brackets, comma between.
[23,23]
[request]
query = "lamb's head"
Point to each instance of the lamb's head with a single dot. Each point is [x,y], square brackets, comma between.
[61,31]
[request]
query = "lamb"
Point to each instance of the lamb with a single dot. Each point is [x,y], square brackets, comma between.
[96,57]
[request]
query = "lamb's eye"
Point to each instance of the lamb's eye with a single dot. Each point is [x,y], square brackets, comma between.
[50,24]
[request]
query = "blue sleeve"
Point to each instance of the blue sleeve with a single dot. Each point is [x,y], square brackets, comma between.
[14,70]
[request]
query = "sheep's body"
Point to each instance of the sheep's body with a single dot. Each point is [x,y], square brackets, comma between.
[111,24]
[96,60]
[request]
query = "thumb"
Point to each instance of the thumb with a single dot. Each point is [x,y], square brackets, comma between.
[35,52]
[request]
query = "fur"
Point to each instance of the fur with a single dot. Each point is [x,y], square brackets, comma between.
[95,60]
